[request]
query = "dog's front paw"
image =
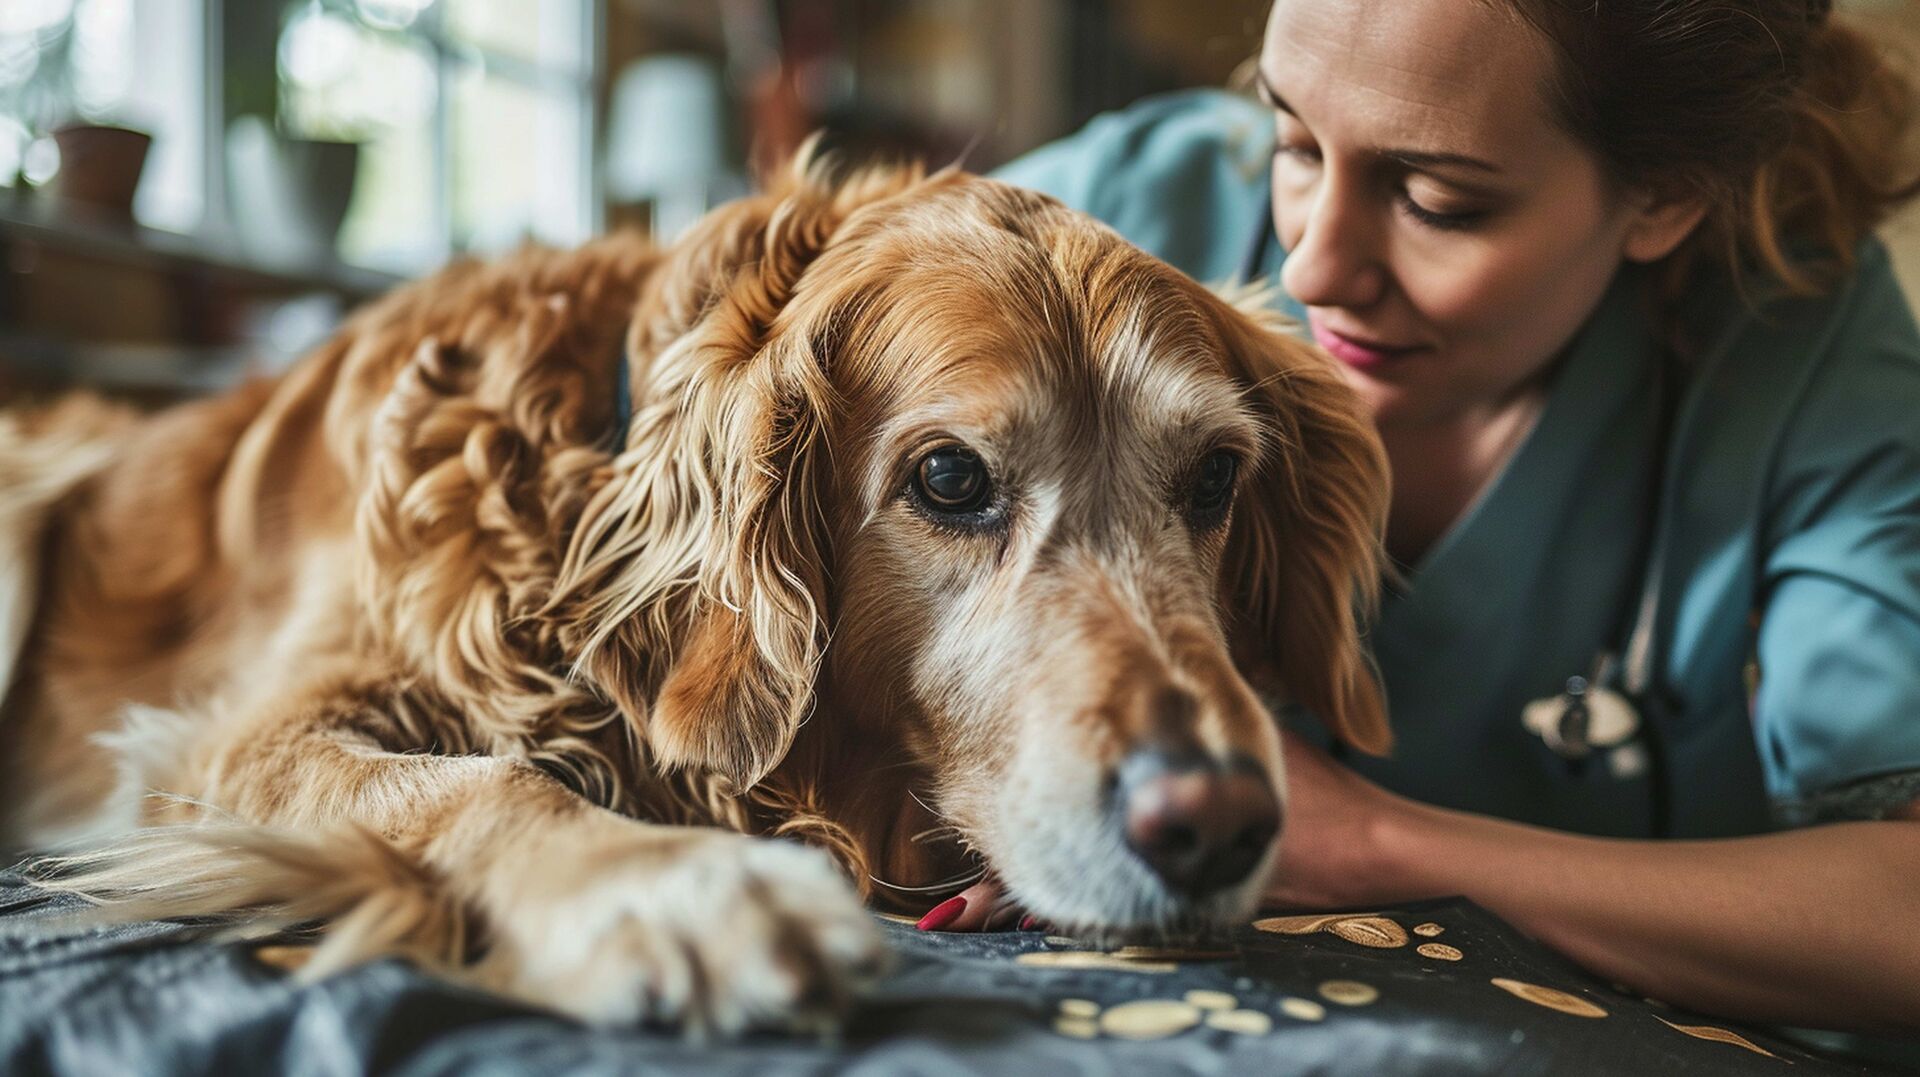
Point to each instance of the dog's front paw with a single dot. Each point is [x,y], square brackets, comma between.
[704,929]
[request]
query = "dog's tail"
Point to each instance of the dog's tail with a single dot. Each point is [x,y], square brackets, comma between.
[254,881]
[45,454]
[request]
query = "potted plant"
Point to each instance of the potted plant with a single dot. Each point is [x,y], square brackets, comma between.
[98,164]
[286,196]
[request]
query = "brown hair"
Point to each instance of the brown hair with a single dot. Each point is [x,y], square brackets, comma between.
[1792,124]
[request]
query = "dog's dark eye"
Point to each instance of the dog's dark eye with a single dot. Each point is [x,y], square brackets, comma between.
[953,480]
[1213,484]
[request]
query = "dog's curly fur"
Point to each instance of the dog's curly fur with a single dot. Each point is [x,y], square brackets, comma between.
[416,643]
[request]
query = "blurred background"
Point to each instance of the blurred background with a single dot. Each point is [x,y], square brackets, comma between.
[191,190]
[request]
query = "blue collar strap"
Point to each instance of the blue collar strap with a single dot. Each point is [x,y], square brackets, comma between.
[622,402]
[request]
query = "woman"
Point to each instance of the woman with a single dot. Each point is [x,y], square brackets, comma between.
[1603,273]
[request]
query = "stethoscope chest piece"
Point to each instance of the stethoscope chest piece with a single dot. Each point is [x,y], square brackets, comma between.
[1581,719]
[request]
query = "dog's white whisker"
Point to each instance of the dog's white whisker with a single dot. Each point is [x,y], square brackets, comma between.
[923,804]
[955,883]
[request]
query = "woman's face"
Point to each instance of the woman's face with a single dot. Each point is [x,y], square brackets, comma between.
[1445,234]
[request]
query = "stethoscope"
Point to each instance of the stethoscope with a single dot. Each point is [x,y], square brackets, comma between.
[1601,711]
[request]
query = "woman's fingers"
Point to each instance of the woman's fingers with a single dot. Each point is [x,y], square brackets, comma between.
[980,907]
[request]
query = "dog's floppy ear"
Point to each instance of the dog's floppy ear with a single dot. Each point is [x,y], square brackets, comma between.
[1304,556]
[698,576]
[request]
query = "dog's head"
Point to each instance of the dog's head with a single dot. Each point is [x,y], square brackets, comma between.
[962,481]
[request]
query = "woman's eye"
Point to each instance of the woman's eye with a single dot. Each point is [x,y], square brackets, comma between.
[1442,220]
[953,480]
[1213,484]
[1300,154]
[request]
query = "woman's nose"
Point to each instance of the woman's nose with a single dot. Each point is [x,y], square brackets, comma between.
[1335,259]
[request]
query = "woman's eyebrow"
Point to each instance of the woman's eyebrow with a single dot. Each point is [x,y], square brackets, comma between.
[1268,95]
[1418,160]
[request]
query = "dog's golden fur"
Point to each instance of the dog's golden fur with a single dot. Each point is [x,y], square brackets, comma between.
[415,648]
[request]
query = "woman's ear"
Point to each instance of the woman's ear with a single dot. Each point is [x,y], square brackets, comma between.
[1304,556]
[1659,223]
[698,576]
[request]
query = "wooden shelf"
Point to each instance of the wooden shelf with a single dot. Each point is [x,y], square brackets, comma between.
[42,219]
[87,300]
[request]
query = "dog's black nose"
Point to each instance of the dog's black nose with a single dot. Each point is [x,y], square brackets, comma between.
[1200,824]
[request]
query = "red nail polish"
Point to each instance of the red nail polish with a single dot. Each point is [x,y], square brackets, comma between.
[943,914]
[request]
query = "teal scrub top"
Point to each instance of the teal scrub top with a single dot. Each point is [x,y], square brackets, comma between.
[1784,509]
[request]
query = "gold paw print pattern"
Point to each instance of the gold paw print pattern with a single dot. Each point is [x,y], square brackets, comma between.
[1125,959]
[1161,1018]
[1576,1006]
[1717,1035]
[1552,999]
[1380,932]
[1362,929]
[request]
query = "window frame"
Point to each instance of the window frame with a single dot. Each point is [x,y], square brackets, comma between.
[451,60]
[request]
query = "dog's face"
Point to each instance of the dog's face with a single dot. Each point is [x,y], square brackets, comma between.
[1028,558]
[1001,497]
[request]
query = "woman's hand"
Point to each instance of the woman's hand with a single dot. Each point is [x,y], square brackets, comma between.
[1330,842]
[1787,927]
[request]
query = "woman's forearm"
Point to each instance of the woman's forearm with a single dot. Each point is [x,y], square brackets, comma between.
[1814,927]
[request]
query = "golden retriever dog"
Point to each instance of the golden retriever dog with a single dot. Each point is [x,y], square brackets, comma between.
[948,534]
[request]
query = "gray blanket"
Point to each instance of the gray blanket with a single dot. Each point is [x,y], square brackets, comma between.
[165,999]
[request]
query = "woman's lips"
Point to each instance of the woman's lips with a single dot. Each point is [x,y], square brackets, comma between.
[1359,352]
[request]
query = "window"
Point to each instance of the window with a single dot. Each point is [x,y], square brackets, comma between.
[63,61]
[473,118]
[476,119]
